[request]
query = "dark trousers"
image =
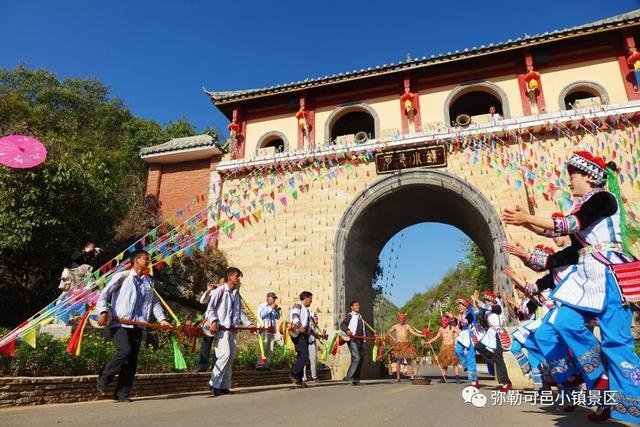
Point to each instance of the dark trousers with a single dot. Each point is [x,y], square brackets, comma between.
[127,342]
[301,343]
[205,353]
[356,347]
[498,360]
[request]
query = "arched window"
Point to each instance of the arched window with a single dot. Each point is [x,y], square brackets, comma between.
[352,123]
[272,143]
[582,94]
[475,100]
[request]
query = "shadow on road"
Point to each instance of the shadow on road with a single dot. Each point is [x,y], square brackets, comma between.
[263,389]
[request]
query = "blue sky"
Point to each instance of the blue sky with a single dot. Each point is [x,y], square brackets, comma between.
[156,55]
[417,258]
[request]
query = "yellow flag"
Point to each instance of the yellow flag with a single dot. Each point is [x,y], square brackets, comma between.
[48,320]
[30,338]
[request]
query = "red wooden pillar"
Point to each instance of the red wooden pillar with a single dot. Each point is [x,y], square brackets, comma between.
[626,71]
[524,94]
[307,106]
[404,118]
[241,137]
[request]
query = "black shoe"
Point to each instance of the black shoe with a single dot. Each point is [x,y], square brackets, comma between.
[294,380]
[101,385]
[355,382]
[216,392]
[457,379]
[303,384]
[226,391]
[122,400]
[202,370]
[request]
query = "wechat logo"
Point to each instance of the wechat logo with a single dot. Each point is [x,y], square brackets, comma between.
[472,395]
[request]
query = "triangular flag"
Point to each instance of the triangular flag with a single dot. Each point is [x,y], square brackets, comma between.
[29,338]
[9,349]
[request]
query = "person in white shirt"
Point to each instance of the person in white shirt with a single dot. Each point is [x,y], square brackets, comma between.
[269,312]
[494,115]
[225,313]
[353,325]
[128,296]
[301,317]
[313,348]
[207,342]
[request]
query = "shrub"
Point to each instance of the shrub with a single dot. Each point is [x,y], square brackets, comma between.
[246,357]
[282,359]
[49,358]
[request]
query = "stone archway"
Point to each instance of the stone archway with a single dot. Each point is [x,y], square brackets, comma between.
[400,200]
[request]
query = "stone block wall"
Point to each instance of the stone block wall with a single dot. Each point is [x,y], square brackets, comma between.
[293,250]
[16,391]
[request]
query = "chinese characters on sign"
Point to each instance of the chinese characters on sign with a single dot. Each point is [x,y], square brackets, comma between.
[413,158]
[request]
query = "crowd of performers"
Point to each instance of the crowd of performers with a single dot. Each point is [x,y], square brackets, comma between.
[580,287]
[554,343]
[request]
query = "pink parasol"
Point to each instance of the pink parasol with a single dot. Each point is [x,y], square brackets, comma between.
[21,151]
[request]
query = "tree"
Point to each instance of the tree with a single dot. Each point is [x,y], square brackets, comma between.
[92,177]
[476,265]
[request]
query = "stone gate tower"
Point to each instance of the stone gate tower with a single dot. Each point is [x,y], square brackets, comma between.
[320,173]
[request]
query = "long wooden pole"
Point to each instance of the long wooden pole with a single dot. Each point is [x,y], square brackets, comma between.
[439,366]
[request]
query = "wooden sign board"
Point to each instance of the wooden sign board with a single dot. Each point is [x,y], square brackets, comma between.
[429,157]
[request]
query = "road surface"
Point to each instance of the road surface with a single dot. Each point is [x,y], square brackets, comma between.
[373,403]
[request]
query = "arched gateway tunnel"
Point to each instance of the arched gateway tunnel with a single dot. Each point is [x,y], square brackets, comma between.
[400,200]
[395,202]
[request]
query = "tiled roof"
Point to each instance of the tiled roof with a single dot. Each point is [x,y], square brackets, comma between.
[179,144]
[628,18]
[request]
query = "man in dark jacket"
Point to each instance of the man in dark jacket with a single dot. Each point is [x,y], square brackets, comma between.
[353,325]
[88,255]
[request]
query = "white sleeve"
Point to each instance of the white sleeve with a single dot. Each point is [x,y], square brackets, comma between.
[105,295]
[212,312]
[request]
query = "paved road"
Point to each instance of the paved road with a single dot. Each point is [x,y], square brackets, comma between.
[373,403]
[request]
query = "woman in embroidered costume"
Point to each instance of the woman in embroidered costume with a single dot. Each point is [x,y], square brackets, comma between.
[470,329]
[447,355]
[543,342]
[546,353]
[490,344]
[590,290]
[529,310]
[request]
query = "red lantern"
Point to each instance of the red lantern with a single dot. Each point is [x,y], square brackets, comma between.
[532,78]
[233,129]
[407,101]
[634,60]
[301,115]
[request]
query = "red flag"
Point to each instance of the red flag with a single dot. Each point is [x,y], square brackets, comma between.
[335,348]
[76,338]
[9,349]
